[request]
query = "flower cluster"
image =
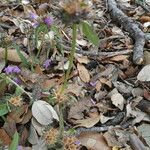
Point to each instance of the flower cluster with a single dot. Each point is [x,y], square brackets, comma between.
[75,10]
[71,143]
[37,20]
[16,101]
[47,63]
[12,69]
[51,136]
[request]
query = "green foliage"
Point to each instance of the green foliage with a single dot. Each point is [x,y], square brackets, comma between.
[3,109]
[89,33]
[15,142]
[42,28]
[23,59]
[58,38]
[18,91]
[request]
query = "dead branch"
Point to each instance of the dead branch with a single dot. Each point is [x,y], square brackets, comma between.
[98,55]
[130,26]
[93,129]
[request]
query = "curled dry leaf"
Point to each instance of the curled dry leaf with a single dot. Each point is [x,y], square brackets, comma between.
[12,55]
[4,137]
[88,123]
[118,100]
[33,136]
[39,128]
[94,141]
[43,112]
[83,73]
[41,145]
[144,74]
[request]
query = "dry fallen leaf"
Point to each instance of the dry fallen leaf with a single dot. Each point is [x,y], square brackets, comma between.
[4,137]
[93,141]
[33,136]
[83,73]
[83,59]
[88,123]
[144,74]
[39,128]
[119,58]
[43,112]
[12,55]
[118,100]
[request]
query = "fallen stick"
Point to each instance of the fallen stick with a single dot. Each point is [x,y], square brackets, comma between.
[130,26]
[98,55]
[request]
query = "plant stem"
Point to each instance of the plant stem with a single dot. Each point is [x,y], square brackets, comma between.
[61,122]
[71,58]
[10,80]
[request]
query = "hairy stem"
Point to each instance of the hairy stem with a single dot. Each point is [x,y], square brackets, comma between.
[71,58]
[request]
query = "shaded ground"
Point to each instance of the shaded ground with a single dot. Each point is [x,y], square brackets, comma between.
[106,103]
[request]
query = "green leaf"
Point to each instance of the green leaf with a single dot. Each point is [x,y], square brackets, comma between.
[90,33]
[15,142]
[3,109]
[23,59]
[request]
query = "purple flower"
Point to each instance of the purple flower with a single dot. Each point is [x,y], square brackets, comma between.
[77,142]
[48,20]
[47,63]
[17,80]
[11,69]
[35,24]
[93,84]
[33,16]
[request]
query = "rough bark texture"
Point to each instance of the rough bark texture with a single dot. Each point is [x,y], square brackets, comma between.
[130,26]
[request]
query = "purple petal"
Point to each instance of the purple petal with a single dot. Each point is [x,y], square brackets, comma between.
[93,84]
[35,24]
[8,70]
[17,80]
[11,69]
[16,69]
[77,142]
[48,20]
[33,16]
[47,63]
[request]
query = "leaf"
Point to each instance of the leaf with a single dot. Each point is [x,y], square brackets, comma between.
[43,112]
[22,57]
[144,130]
[88,123]
[94,141]
[2,65]
[15,142]
[4,137]
[144,74]
[83,73]
[89,33]
[118,100]
[41,145]
[33,136]
[38,127]
[12,55]
[3,109]
[3,86]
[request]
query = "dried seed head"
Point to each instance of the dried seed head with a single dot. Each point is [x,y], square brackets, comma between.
[70,143]
[75,10]
[16,101]
[60,97]
[51,136]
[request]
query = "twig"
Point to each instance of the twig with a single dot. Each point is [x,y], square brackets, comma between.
[93,129]
[142,5]
[10,80]
[130,26]
[98,55]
